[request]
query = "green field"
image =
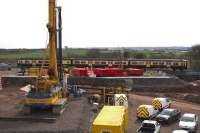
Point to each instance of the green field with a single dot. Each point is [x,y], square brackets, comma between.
[13,55]
[21,54]
[88,53]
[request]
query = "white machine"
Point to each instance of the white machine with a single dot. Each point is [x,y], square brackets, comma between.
[161,103]
[146,112]
[121,100]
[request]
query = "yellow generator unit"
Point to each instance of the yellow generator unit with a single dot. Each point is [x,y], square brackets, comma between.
[111,119]
[161,103]
[146,112]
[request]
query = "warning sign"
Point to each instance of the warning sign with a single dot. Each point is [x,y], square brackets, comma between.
[121,99]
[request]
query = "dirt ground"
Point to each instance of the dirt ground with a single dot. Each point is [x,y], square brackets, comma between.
[78,116]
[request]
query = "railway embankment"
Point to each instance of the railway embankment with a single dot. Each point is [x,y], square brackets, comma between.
[141,84]
[158,84]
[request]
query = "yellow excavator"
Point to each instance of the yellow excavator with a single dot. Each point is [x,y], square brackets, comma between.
[49,91]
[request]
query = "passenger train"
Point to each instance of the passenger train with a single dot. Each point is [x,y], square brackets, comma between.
[100,63]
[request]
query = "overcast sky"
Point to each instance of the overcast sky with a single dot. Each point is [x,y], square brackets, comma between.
[102,23]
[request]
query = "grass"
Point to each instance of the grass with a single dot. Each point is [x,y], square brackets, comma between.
[21,54]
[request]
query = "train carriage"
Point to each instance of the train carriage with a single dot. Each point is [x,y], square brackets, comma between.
[101,63]
[137,63]
[80,63]
[120,63]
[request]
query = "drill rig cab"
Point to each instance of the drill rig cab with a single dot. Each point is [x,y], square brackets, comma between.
[49,91]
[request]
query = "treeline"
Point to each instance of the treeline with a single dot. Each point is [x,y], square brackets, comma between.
[125,54]
[95,53]
[194,55]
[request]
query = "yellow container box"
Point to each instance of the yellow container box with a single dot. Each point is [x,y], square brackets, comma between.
[111,119]
[36,72]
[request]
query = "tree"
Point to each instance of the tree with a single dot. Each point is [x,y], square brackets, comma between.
[127,54]
[140,55]
[195,57]
[93,53]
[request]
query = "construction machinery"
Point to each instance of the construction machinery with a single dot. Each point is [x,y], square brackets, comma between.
[146,112]
[161,103]
[110,96]
[49,91]
[111,119]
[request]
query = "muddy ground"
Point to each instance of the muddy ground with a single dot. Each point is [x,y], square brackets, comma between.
[78,116]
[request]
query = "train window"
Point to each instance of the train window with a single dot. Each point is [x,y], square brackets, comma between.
[103,62]
[155,63]
[90,62]
[117,62]
[68,62]
[26,62]
[40,62]
[133,62]
[176,63]
[168,63]
[97,62]
[141,63]
[148,62]
[65,62]
[161,63]
[76,62]
[109,62]
[124,62]
[83,62]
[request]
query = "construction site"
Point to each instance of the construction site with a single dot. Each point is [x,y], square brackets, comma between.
[94,95]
